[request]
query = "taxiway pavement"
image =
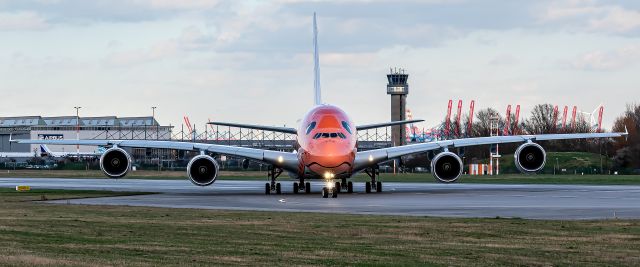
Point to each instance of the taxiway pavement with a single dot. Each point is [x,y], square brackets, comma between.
[565,202]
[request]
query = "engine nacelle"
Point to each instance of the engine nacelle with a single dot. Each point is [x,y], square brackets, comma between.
[115,162]
[530,158]
[203,170]
[446,167]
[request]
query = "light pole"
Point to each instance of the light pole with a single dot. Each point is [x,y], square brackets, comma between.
[78,131]
[153,119]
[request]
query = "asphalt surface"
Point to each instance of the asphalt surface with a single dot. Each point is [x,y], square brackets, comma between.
[565,202]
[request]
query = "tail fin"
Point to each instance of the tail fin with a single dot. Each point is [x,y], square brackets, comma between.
[316,63]
[44,149]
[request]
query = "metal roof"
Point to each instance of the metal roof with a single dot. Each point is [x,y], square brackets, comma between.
[71,121]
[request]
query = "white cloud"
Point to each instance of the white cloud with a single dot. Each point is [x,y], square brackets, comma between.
[611,60]
[617,19]
[179,4]
[592,16]
[25,20]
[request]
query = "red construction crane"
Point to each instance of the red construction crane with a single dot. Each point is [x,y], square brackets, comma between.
[448,119]
[458,118]
[600,118]
[188,123]
[507,124]
[573,118]
[515,123]
[471,109]
[564,118]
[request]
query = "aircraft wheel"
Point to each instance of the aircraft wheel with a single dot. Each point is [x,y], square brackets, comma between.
[267,189]
[307,188]
[278,189]
[367,187]
[349,187]
[337,187]
[295,188]
[325,192]
[334,193]
[379,187]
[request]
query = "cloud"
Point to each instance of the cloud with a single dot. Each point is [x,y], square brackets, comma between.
[504,60]
[20,21]
[606,61]
[617,19]
[591,16]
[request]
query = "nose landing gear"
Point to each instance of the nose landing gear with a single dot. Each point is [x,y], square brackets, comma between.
[330,191]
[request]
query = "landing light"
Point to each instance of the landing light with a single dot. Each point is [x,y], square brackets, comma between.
[370,158]
[328,175]
[329,185]
[280,159]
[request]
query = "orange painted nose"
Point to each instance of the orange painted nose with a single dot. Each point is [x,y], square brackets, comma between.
[331,153]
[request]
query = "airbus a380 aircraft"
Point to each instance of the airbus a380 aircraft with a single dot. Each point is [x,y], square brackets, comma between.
[327,150]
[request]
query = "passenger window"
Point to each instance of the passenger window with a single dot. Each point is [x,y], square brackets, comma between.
[346,127]
[311,127]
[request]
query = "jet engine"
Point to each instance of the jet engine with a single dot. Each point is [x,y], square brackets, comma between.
[203,170]
[115,162]
[530,158]
[446,167]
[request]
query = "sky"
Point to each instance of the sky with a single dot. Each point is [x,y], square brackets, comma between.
[251,61]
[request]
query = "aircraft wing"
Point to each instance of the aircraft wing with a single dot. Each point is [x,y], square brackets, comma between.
[257,127]
[384,124]
[285,160]
[365,159]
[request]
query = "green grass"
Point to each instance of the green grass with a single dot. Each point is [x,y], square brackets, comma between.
[386,177]
[46,234]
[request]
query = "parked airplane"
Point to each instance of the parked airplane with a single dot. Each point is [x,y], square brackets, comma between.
[45,151]
[327,150]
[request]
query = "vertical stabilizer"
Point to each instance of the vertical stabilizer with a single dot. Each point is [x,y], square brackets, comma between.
[316,64]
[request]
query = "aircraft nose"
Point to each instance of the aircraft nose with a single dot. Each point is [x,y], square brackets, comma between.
[331,154]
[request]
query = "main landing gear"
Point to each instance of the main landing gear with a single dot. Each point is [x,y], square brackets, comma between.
[272,186]
[301,187]
[375,185]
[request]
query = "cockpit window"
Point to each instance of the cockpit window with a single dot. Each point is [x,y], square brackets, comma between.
[346,127]
[329,135]
[310,127]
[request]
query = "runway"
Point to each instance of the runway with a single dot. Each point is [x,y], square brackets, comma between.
[558,202]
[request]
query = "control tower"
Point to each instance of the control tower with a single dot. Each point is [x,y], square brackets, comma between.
[398,88]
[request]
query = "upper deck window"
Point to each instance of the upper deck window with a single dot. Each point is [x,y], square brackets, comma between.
[311,127]
[346,127]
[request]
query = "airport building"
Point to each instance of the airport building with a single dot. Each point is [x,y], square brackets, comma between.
[69,127]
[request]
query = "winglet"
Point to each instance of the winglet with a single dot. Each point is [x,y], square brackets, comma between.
[626,133]
[316,64]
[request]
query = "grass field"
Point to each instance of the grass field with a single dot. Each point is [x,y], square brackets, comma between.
[387,177]
[46,234]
